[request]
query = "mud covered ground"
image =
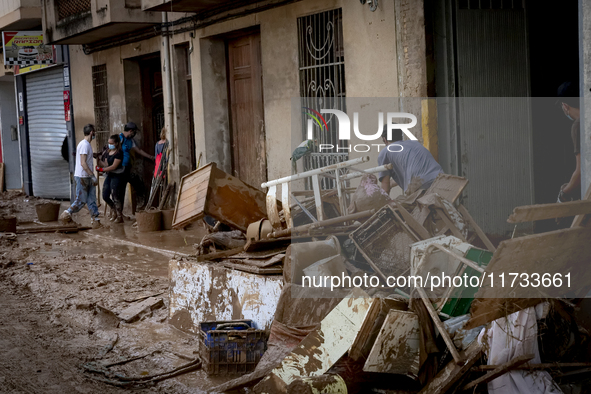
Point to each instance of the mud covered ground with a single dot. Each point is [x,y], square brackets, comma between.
[59,296]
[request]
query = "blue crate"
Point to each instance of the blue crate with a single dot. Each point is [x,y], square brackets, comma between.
[234,348]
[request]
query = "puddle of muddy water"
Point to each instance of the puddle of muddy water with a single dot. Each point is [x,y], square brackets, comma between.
[101,251]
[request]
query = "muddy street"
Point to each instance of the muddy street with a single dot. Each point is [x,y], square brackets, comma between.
[62,295]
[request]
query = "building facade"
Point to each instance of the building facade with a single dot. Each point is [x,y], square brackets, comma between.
[225,93]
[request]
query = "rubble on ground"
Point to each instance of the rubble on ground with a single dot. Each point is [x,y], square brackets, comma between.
[410,339]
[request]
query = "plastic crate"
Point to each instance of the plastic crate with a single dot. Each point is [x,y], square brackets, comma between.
[233,349]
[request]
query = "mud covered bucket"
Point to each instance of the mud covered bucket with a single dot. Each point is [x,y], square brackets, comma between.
[48,211]
[148,221]
[167,215]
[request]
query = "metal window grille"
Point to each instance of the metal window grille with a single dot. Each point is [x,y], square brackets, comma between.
[101,105]
[67,8]
[322,83]
[490,4]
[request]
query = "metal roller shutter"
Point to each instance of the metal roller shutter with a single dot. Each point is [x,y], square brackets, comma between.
[47,130]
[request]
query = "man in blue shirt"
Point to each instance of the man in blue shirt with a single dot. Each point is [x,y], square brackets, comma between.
[413,166]
[128,146]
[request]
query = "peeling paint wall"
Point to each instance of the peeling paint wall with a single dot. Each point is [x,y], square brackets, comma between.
[205,291]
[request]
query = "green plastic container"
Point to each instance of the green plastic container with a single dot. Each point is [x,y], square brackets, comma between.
[462,297]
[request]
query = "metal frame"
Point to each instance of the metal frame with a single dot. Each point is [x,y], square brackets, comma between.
[313,176]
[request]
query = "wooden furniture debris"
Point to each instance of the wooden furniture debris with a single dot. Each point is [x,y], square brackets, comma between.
[210,191]
[323,346]
[324,223]
[500,370]
[1,177]
[261,263]
[530,213]
[241,266]
[466,215]
[384,241]
[451,373]
[219,255]
[396,348]
[440,327]
[448,186]
[564,252]
[372,324]
[417,227]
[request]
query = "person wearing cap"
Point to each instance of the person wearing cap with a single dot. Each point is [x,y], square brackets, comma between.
[568,94]
[128,146]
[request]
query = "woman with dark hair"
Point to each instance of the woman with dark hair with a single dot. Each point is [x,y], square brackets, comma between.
[111,165]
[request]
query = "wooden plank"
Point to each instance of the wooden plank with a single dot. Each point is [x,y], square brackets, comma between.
[500,370]
[578,220]
[130,313]
[238,265]
[322,348]
[530,213]
[412,223]
[448,186]
[262,263]
[193,194]
[396,349]
[68,228]
[564,252]
[442,331]
[317,198]
[451,373]
[219,255]
[466,215]
[371,326]
[203,170]
[264,254]
[450,224]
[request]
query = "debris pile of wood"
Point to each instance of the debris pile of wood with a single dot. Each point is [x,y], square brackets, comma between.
[406,337]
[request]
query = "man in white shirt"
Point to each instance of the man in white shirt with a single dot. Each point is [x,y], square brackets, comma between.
[85,180]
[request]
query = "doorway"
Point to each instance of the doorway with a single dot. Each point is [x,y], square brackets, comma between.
[499,62]
[245,93]
[145,107]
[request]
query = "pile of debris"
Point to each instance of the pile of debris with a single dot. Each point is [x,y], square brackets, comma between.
[416,333]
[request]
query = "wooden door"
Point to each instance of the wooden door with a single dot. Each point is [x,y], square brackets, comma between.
[249,161]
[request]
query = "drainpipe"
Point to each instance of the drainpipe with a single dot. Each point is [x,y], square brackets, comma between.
[168,86]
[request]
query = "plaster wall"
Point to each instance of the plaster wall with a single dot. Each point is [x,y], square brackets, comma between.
[370,70]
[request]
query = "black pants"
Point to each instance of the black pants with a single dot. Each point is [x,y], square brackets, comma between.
[137,184]
[112,192]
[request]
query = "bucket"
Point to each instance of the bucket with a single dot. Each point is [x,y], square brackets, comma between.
[8,224]
[167,215]
[148,221]
[48,211]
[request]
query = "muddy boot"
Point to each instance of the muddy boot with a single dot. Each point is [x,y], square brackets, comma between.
[119,218]
[95,223]
[113,214]
[65,217]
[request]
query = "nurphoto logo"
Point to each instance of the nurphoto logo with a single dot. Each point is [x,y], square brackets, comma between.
[344,129]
